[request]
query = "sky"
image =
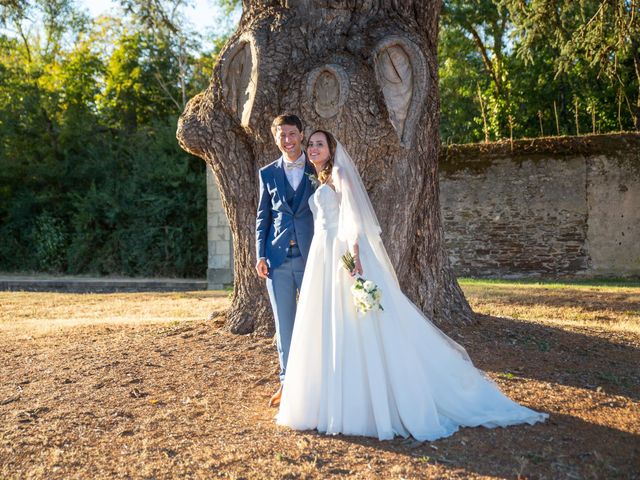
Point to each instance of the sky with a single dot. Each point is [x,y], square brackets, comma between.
[203,14]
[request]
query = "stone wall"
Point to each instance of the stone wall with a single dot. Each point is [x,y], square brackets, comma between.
[219,243]
[544,207]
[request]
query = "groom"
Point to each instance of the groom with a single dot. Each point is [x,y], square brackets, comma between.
[284,229]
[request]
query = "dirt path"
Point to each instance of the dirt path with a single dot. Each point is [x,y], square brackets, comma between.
[174,397]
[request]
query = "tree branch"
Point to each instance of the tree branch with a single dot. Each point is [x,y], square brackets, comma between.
[488,63]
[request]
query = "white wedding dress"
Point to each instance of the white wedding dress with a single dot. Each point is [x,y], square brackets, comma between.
[384,373]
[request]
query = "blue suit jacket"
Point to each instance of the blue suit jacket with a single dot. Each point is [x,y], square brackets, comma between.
[275,220]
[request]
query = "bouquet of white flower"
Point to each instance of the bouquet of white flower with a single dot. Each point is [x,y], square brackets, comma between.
[366,294]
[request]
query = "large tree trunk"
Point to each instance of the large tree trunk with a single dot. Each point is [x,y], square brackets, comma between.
[365,70]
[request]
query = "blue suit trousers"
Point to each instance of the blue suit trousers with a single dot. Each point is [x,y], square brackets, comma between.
[283,284]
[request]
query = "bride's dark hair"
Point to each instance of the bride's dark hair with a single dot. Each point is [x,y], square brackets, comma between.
[325,173]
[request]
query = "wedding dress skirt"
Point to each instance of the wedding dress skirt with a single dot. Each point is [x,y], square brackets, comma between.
[384,373]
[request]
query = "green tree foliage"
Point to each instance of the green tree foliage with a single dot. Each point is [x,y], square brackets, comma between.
[510,65]
[91,177]
[604,34]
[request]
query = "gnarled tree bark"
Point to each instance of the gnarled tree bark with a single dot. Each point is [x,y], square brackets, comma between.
[365,70]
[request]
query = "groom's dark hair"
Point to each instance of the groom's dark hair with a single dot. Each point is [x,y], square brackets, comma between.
[286,119]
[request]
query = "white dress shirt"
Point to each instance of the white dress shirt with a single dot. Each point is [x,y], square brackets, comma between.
[294,175]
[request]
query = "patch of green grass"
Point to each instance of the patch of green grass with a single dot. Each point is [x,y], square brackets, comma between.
[435,460]
[534,458]
[555,283]
[612,378]
[543,345]
[540,344]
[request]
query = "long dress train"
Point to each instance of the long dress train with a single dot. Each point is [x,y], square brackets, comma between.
[384,373]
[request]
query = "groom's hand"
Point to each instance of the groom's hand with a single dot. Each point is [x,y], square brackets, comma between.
[358,267]
[262,269]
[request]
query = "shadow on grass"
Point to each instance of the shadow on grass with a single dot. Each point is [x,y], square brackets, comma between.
[518,348]
[563,447]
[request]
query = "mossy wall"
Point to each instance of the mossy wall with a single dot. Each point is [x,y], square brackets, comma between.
[543,207]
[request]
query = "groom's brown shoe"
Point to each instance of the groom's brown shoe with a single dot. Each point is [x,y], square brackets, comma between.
[275,399]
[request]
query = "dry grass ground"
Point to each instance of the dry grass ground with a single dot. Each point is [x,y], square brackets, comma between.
[144,386]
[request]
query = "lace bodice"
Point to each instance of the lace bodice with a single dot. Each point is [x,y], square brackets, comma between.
[325,205]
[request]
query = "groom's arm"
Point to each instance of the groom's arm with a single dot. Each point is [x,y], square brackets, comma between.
[263,219]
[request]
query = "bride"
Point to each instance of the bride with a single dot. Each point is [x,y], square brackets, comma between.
[385,372]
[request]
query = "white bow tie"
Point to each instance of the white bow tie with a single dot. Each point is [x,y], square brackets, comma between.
[293,165]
